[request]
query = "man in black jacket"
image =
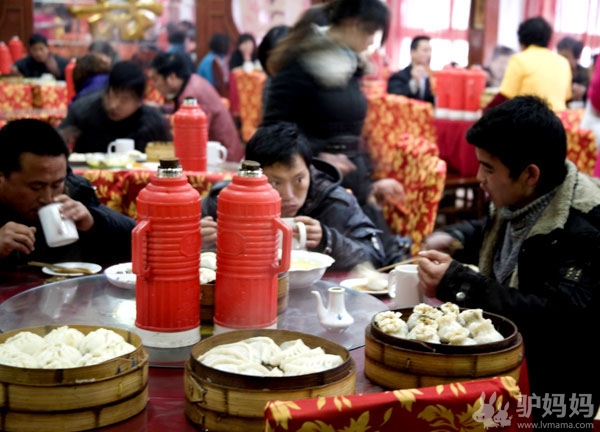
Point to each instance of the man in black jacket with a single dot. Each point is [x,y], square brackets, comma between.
[538,254]
[94,121]
[310,193]
[34,173]
[413,81]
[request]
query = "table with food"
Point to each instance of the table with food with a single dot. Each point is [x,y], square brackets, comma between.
[83,323]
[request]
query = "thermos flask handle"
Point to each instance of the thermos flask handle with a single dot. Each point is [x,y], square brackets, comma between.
[139,261]
[286,244]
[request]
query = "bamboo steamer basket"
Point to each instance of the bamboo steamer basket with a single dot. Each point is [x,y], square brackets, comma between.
[157,150]
[398,363]
[74,399]
[222,401]
[207,299]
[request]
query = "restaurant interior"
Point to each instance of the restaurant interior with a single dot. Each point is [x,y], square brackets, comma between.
[163,385]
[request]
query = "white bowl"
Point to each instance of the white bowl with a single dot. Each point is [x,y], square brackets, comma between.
[306,268]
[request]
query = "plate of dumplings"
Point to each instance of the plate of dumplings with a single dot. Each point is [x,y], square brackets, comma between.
[445,329]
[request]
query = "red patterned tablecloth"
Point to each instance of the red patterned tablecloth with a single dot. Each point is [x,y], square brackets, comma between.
[118,189]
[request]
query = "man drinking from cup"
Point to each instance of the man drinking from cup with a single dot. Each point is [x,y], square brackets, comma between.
[33,174]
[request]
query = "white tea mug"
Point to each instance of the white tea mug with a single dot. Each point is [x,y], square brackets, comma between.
[298,242]
[121,146]
[57,230]
[216,152]
[403,287]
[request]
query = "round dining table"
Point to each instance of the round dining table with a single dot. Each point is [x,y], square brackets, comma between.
[92,300]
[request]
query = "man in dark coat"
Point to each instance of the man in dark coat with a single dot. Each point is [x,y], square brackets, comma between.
[310,193]
[34,173]
[96,120]
[538,254]
[413,81]
[40,61]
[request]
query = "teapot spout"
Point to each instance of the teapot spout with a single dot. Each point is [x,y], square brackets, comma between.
[321,311]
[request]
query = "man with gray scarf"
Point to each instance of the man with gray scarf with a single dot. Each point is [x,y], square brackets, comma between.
[538,253]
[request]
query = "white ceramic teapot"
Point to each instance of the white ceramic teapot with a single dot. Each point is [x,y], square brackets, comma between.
[335,318]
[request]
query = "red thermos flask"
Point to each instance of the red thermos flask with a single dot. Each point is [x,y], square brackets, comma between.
[166,259]
[69,79]
[248,225]
[474,86]
[190,135]
[16,48]
[5,59]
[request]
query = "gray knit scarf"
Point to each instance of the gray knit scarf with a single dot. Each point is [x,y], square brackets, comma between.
[518,224]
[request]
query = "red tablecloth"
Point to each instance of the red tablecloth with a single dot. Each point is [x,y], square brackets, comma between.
[454,148]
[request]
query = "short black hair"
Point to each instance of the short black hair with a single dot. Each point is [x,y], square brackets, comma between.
[37,38]
[176,36]
[278,143]
[571,44]
[28,136]
[219,44]
[127,76]
[268,42]
[414,43]
[522,131]
[167,63]
[534,31]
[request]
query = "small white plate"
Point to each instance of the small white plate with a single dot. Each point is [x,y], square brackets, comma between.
[94,268]
[121,276]
[360,284]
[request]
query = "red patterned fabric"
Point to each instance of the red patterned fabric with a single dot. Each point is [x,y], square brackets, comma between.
[15,96]
[119,189]
[49,96]
[581,145]
[414,162]
[390,116]
[461,406]
[52,116]
[250,87]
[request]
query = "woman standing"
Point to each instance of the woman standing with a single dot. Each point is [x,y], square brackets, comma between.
[316,76]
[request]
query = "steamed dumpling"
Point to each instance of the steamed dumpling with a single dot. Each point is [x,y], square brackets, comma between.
[424,333]
[59,357]
[422,309]
[65,335]
[484,332]
[99,340]
[10,355]
[448,323]
[27,342]
[208,260]
[460,336]
[390,322]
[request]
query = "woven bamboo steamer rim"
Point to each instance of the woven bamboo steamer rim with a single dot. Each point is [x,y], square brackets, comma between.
[380,374]
[74,398]
[393,364]
[207,298]
[226,401]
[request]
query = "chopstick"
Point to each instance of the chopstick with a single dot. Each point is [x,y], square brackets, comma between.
[391,266]
[60,269]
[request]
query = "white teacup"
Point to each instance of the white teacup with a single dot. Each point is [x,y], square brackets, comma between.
[216,152]
[403,287]
[298,240]
[121,146]
[57,230]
